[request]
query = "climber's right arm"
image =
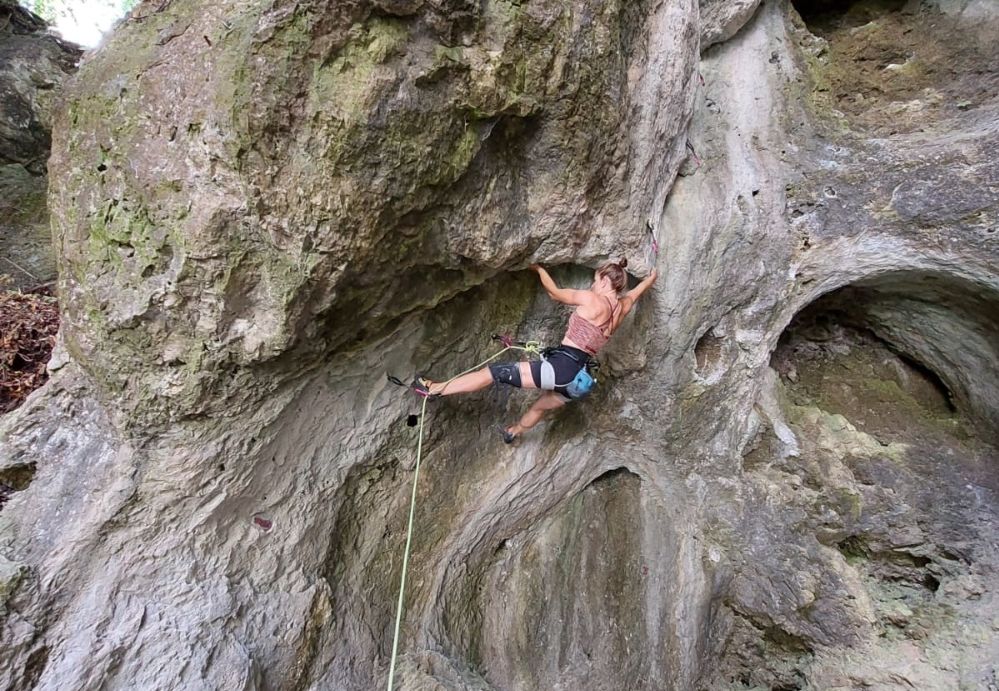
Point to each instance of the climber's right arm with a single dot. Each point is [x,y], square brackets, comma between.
[632,296]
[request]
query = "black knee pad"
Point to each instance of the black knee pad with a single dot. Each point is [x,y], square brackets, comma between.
[506,373]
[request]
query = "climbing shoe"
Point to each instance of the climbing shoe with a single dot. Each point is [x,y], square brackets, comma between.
[421,387]
[508,437]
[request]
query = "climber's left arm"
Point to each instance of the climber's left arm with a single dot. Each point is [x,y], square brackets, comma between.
[564,295]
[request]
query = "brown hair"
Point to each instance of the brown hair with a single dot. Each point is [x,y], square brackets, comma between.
[616,273]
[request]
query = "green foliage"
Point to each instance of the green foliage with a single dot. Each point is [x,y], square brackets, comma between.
[43,8]
[52,10]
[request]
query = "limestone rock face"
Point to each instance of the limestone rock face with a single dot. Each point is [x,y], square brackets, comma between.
[33,65]
[721,19]
[786,478]
[264,182]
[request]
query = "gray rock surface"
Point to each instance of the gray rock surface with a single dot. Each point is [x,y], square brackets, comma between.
[784,480]
[33,66]
[721,19]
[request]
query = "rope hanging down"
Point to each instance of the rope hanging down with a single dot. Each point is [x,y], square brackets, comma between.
[509,344]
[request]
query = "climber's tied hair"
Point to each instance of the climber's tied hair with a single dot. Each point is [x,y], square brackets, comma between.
[614,270]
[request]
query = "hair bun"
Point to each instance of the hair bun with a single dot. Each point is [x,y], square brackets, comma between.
[623,263]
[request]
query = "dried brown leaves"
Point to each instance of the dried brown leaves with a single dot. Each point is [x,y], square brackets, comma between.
[28,326]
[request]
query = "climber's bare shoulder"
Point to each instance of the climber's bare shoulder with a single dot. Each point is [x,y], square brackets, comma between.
[591,306]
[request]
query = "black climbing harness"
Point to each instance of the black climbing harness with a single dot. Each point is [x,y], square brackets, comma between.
[582,383]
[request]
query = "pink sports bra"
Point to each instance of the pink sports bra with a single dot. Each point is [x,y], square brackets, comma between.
[587,335]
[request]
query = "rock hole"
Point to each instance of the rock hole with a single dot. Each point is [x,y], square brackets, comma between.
[15,479]
[707,354]
[931,582]
[412,420]
[612,475]
[853,548]
[507,136]
[906,559]
[786,641]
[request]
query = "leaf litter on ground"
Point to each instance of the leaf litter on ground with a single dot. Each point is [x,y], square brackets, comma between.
[28,325]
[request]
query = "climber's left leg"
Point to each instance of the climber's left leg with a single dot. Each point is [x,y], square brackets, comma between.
[550,400]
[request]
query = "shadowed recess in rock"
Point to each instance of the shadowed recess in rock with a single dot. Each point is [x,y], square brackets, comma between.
[892,486]
[824,16]
[947,326]
[579,599]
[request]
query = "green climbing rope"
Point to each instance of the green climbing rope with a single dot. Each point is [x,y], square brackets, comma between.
[529,347]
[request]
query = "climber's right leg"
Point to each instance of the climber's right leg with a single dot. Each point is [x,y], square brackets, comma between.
[466,383]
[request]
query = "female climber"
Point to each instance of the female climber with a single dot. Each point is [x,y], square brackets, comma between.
[599,311]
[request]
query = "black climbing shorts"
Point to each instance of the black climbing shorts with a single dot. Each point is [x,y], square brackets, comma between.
[565,360]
